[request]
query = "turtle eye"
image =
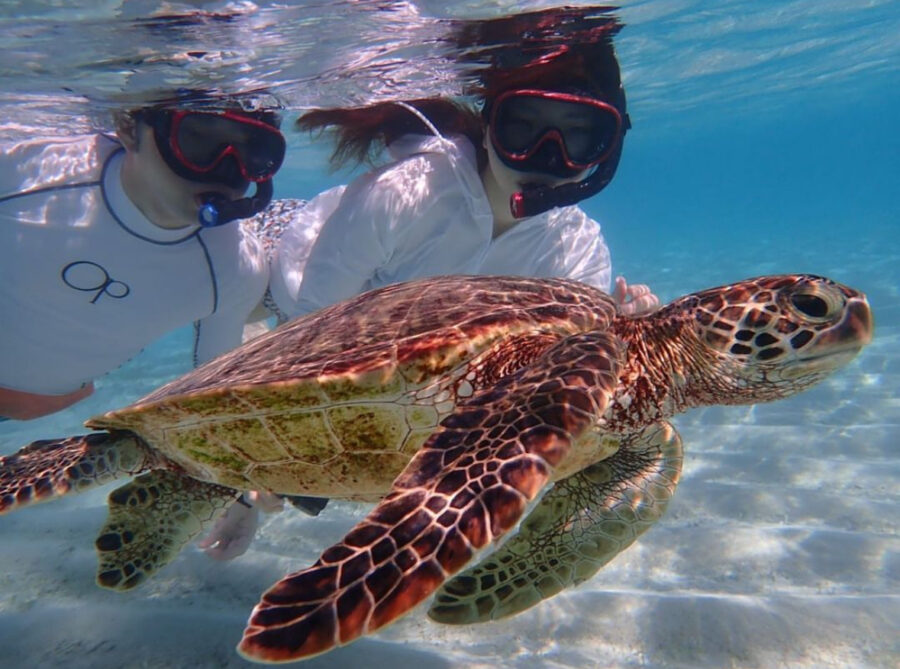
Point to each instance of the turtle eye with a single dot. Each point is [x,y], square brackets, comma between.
[811,305]
[818,305]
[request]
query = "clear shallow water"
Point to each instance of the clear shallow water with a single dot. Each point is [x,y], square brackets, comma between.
[764,141]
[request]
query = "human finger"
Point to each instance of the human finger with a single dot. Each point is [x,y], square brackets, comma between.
[620,290]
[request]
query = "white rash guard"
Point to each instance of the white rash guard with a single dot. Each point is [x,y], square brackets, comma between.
[86,281]
[425,215]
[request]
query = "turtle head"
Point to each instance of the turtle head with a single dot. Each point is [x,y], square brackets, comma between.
[771,337]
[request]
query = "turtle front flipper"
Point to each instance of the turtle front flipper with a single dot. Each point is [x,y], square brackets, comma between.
[48,469]
[582,523]
[468,485]
[150,520]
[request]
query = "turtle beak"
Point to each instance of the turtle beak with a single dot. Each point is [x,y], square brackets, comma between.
[860,318]
[854,330]
[837,346]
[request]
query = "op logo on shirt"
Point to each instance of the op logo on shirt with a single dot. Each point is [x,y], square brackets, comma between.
[89,277]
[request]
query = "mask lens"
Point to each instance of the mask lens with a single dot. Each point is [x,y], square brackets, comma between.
[517,128]
[586,128]
[588,139]
[264,155]
[204,139]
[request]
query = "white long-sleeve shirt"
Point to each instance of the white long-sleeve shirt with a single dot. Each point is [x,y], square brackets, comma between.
[426,214]
[86,280]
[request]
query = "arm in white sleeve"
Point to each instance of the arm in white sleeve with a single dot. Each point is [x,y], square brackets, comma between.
[406,220]
[587,256]
[355,241]
[240,274]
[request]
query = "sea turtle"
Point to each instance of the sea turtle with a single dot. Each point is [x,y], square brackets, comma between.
[460,399]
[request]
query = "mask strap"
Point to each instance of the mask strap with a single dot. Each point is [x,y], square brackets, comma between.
[424,119]
[449,147]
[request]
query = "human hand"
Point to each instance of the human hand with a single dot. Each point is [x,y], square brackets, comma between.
[633,300]
[232,533]
[265,501]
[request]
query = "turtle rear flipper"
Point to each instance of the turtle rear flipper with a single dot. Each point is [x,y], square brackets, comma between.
[468,485]
[48,469]
[150,520]
[581,524]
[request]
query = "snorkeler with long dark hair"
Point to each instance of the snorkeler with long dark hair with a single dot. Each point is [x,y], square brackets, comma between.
[468,191]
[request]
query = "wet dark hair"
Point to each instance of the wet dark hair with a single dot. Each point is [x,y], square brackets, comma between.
[149,113]
[568,49]
[590,70]
[563,49]
[257,104]
[362,133]
[563,45]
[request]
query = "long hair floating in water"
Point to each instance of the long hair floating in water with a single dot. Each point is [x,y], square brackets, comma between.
[571,47]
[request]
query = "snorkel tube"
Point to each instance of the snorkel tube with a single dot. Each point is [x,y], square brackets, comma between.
[219,210]
[537,200]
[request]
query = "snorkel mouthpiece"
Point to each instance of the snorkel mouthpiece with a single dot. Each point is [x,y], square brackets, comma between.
[219,210]
[537,200]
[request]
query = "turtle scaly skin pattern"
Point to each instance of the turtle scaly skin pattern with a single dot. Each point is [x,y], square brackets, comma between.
[458,402]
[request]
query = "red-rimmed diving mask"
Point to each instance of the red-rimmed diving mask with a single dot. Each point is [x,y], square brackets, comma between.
[554,133]
[225,147]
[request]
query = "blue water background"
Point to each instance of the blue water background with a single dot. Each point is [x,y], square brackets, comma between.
[780,548]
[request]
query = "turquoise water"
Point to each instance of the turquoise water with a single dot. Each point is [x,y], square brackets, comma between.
[764,141]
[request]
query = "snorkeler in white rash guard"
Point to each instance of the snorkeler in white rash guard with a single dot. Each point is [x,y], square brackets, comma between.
[109,243]
[493,190]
